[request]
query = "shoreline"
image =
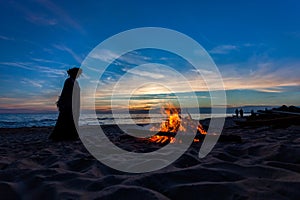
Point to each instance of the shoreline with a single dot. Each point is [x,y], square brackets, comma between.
[139,124]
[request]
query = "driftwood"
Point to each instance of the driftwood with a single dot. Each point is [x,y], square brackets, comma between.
[222,138]
[200,137]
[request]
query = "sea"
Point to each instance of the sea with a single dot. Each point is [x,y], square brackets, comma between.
[18,120]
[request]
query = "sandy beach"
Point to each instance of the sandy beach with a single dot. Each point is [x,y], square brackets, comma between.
[265,165]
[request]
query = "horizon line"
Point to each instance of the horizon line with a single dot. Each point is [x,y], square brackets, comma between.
[34,111]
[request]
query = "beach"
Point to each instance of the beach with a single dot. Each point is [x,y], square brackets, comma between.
[264,165]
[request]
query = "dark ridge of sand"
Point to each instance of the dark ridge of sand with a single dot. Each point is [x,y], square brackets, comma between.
[265,165]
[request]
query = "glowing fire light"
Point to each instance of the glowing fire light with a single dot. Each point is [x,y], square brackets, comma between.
[175,123]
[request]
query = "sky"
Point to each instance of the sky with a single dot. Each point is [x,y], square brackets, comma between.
[254,44]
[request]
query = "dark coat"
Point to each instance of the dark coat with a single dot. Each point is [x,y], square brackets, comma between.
[69,110]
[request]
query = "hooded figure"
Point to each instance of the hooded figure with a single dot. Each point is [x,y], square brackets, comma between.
[69,108]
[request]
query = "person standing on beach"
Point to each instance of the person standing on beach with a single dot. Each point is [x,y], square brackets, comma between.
[69,108]
[236,112]
[241,113]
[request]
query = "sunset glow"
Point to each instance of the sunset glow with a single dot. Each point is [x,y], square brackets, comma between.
[259,62]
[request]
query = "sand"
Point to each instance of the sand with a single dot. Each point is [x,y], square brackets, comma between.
[265,165]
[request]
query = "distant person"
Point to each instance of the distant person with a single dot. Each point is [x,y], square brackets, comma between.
[241,113]
[236,112]
[252,113]
[69,108]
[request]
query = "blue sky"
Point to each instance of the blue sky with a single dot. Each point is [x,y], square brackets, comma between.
[255,45]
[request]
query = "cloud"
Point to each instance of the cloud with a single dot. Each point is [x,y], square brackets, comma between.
[34,83]
[93,69]
[61,14]
[41,20]
[129,59]
[47,14]
[104,55]
[47,61]
[153,74]
[70,51]
[23,65]
[269,76]
[50,72]
[31,66]
[35,17]
[2,37]
[135,58]
[223,49]
[274,77]
[33,103]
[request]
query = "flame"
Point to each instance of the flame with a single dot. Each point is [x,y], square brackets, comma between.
[162,139]
[174,123]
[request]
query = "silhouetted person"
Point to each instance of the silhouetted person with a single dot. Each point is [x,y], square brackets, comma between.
[236,112]
[69,108]
[252,113]
[241,112]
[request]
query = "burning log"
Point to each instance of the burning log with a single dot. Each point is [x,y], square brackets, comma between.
[163,137]
[175,122]
[169,137]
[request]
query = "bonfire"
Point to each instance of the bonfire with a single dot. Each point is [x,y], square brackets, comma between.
[175,122]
